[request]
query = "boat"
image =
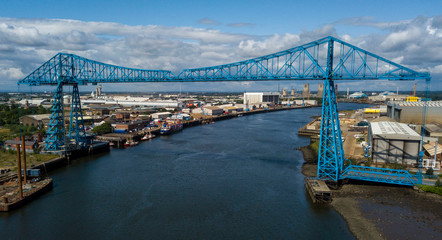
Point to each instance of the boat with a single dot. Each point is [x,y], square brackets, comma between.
[171,127]
[148,136]
[130,143]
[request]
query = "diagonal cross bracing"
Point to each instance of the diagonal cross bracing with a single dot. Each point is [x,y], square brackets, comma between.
[326,59]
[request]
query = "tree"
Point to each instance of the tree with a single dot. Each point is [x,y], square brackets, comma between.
[429,171]
[438,183]
[103,128]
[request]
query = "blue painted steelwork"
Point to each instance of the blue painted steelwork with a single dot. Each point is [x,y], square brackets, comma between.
[306,62]
[326,59]
[385,175]
[55,133]
[331,153]
[73,69]
[76,124]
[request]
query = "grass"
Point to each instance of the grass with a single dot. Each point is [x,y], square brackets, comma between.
[432,189]
[8,159]
[4,131]
[315,147]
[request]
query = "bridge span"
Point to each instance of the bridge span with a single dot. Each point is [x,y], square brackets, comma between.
[327,59]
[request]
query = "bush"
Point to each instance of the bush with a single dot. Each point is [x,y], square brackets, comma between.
[103,128]
[315,147]
[438,183]
[429,171]
[432,189]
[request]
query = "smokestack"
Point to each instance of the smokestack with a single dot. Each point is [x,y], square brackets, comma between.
[320,90]
[414,91]
[305,90]
[293,92]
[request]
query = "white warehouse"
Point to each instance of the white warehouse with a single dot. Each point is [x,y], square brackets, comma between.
[261,97]
[393,142]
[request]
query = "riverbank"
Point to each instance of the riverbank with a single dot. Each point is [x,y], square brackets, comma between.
[375,211]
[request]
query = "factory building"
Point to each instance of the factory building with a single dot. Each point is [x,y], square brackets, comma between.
[261,97]
[136,102]
[433,130]
[38,120]
[412,112]
[393,142]
[161,116]
[212,110]
[357,95]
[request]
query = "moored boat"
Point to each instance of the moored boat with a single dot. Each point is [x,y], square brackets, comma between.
[171,127]
[130,143]
[148,136]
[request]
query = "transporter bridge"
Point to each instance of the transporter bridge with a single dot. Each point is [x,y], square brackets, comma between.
[327,59]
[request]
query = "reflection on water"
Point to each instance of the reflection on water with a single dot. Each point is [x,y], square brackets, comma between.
[235,179]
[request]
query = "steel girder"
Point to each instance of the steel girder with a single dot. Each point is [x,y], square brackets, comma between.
[73,69]
[326,59]
[55,134]
[76,124]
[305,62]
[331,153]
[384,175]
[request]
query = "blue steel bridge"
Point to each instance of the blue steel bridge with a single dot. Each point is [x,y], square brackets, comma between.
[327,59]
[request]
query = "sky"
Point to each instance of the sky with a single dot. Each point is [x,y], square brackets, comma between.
[174,35]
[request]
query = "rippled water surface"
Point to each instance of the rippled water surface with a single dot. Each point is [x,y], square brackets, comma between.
[235,179]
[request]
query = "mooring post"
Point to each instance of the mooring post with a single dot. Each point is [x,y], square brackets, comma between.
[25,175]
[20,186]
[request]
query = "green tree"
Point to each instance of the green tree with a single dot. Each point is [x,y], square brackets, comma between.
[103,128]
[429,171]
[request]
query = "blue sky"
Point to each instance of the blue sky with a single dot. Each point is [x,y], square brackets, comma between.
[180,34]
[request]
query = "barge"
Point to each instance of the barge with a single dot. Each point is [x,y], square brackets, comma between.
[318,190]
[10,198]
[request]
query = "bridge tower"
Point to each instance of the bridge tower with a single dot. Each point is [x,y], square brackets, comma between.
[55,138]
[331,153]
[64,69]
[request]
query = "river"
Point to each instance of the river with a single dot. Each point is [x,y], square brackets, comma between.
[235,179]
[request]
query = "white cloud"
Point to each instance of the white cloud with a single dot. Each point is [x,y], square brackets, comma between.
[27,43]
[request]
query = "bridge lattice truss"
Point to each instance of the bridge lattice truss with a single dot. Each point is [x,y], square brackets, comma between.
[326,59]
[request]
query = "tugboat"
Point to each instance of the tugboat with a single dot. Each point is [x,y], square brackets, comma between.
[130,143]
[171,127]
[148,136]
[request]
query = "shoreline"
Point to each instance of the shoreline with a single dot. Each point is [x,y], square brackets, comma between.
[381,211]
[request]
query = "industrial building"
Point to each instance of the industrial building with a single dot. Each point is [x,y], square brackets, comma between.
[135,101]
[212,110]
[433,130]
[12,144]
[261,97]
[38,120]
[357,95]
[393,142]
[161,115]
[305,102]
[412,112]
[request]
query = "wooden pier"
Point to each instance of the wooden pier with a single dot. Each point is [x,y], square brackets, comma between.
[318,190]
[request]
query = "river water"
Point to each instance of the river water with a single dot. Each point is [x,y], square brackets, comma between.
[235,179]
